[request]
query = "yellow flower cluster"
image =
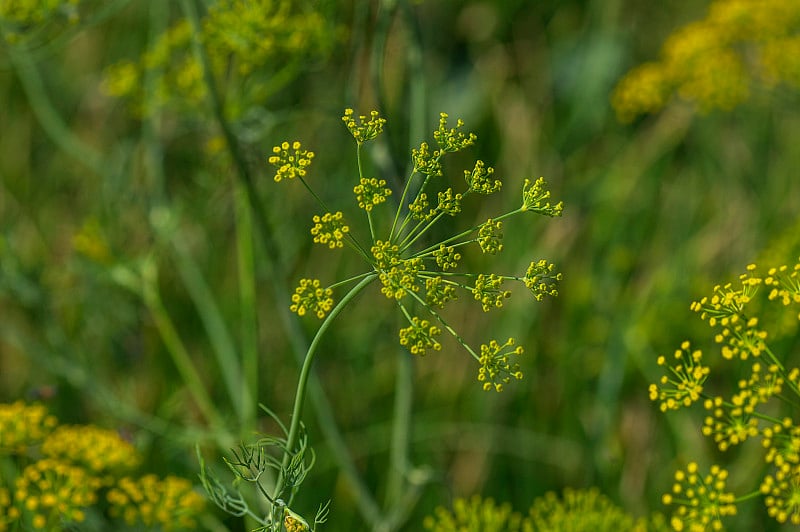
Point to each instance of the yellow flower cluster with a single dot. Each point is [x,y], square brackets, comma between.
[713,62]
[701,500]
[760,407]
[290,160]
[490,236]
[330,229]
[480,179]
[361,128]
[23,425]
[420,336]
[309,296]
[685,384]
[542,279]
[574,511]
[100,451]
[496,368]
[64,470]
[404,269]
[487,290]
[371,192]
[167,504]
[398,276]
[54,492]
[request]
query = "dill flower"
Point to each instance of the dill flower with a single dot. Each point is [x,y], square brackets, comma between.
[534,198]
[100,451]
[403,266]
[452,140]
[420,336]
[330,229]
[474,514]
[371,192]
[585,511]
[446,257]
[309,296]
[490,236]
[439,291]
[169,503]
[290,160]
[425,161]
[685,383]
[496,369]
[701,500]
[712,63]
[731,422]
[542,279]
[782,494]
[362,129]
[480,179]
[23,425]
[51,492]
[487,291]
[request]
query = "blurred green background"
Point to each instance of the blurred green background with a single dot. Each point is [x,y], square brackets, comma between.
[656,213]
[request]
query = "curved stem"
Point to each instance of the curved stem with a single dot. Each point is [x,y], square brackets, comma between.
[305,371]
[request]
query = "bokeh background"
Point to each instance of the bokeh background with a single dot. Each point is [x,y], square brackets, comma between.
[111,157]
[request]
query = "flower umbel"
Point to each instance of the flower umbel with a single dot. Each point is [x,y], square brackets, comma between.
[701,500]
[496,369]
[309,296]
[420,336]
[361,128]
[290,160]
[684,383]
[330,229]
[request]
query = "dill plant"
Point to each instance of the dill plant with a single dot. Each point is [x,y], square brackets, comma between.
[751,320]
[420,277]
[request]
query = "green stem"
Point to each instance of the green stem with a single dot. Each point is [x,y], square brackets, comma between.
[247,309]
[176,348]
[305,371]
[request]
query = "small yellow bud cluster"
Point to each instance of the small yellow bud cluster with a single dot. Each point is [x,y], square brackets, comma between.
[496,369]
[420,208]
[682,386]
[420,336]
[487,291]
[398,276]
[439,291]
[480,179]
[425,162]
[701,501]
[363,129]
[542,279]
[452,140]
[447,257]
[293,522]
[330,229]
[55,492]
[490,236]
[782,494]
[534,198]
[309,296]
[371,192]
[101,451]
[290,160]
[165,504]
[449,203]
[474,514]
[731,423]
[23,425]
